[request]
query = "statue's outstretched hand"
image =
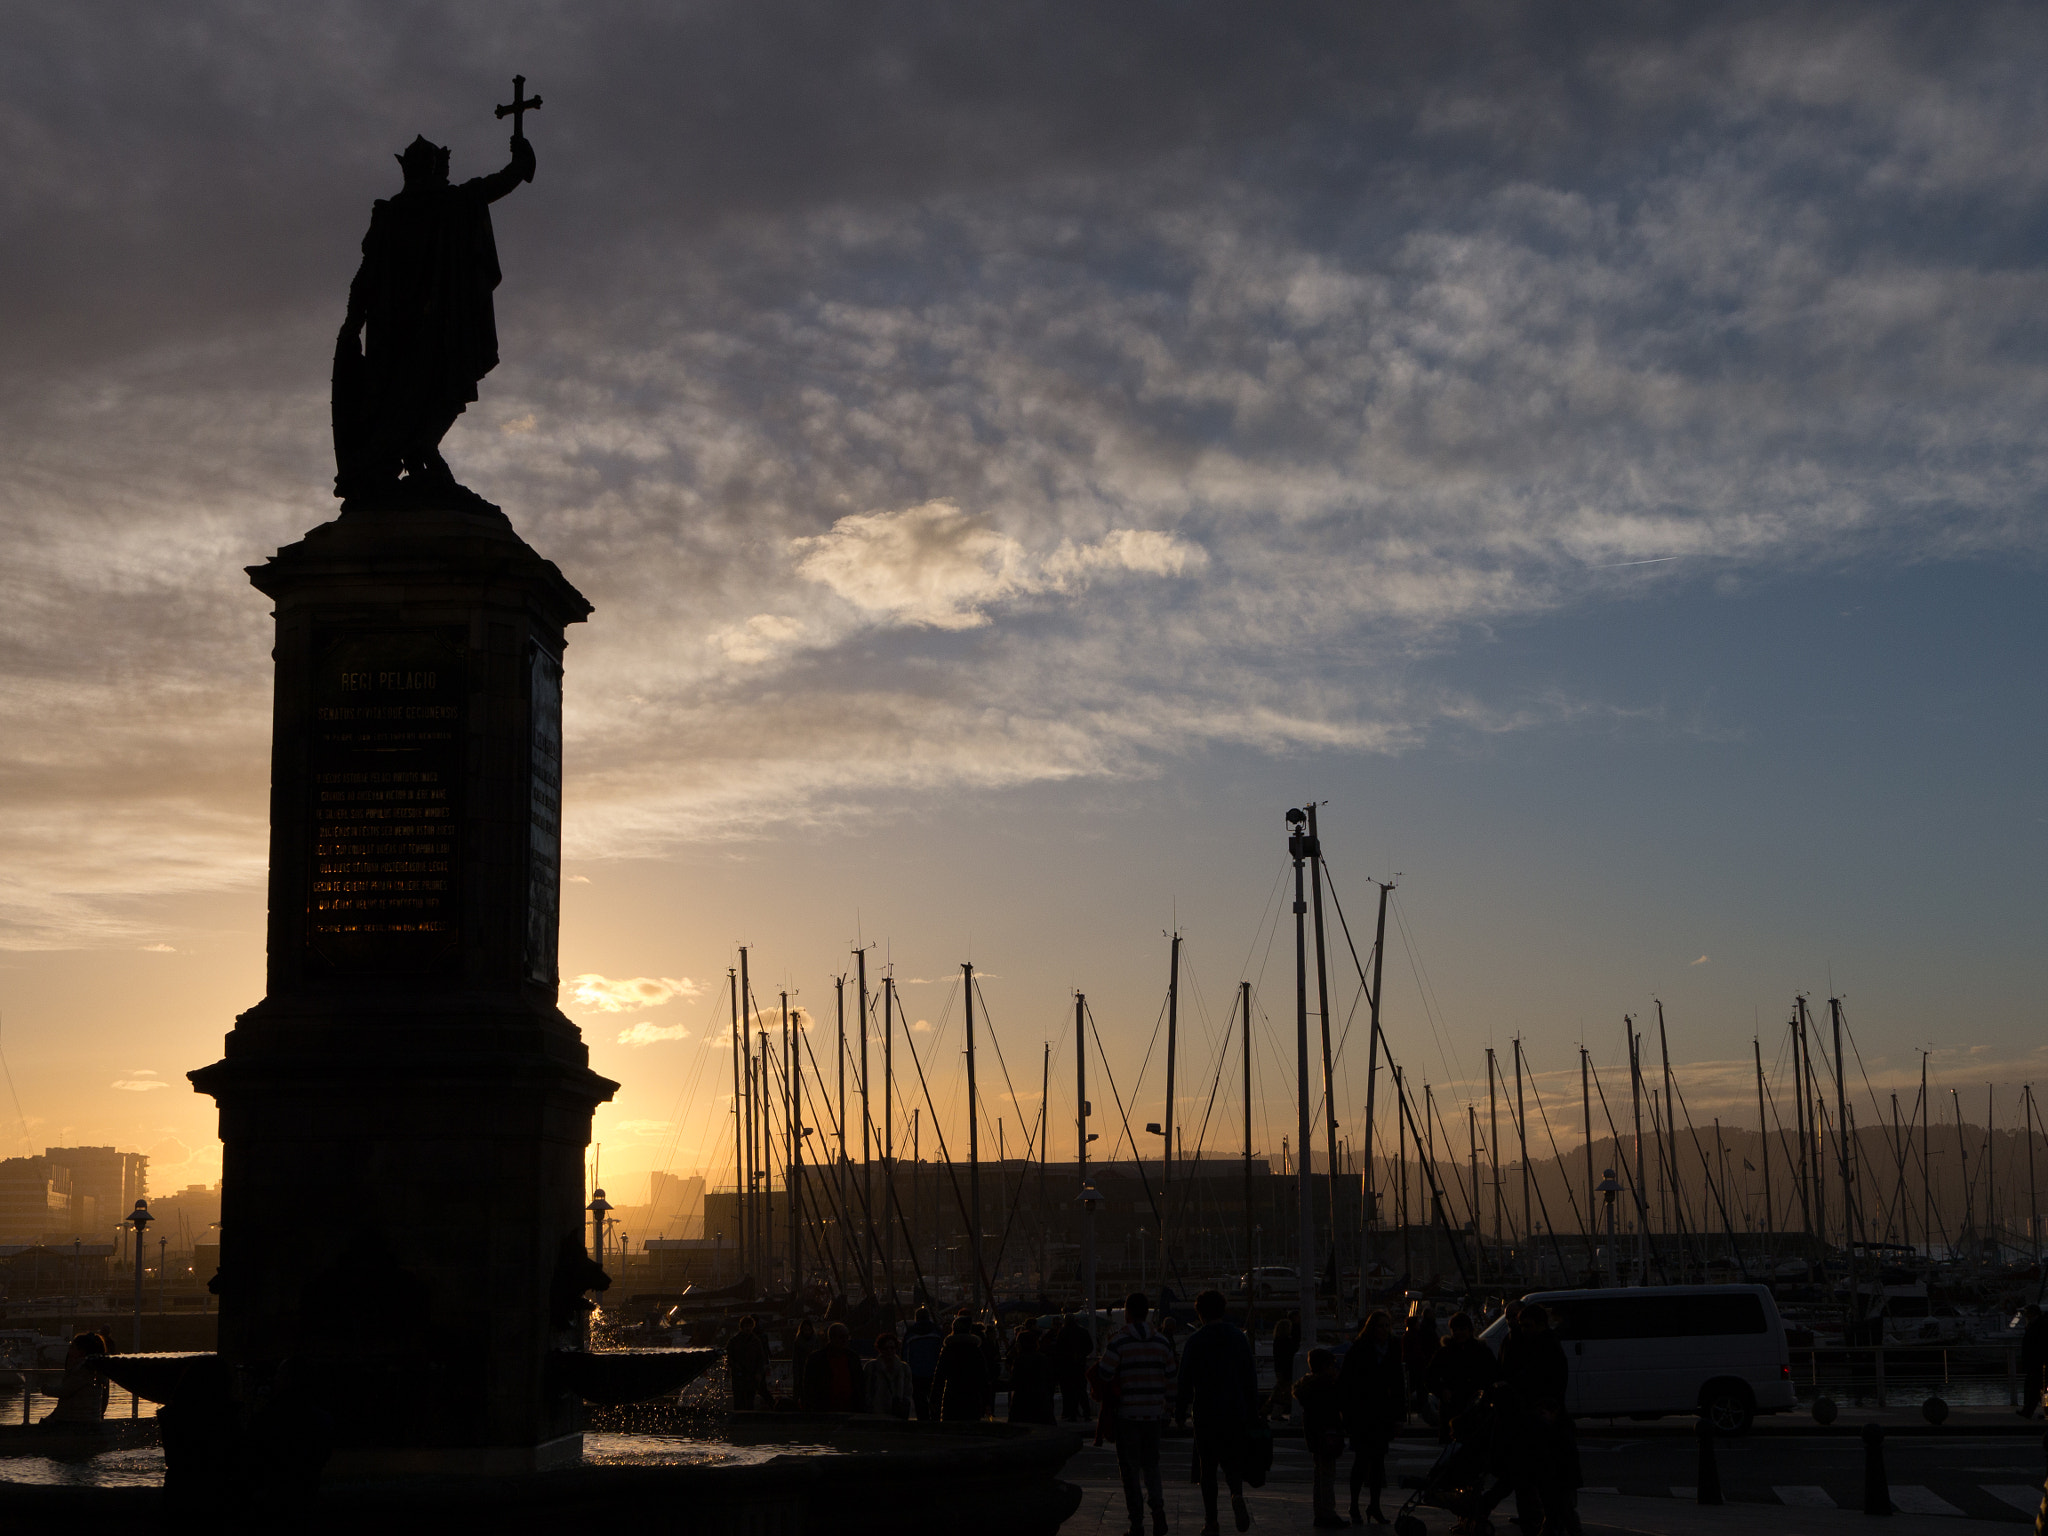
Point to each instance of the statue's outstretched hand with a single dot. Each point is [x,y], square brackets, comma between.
[522,157]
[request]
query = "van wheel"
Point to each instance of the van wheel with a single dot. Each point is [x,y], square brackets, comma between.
[1728,1408]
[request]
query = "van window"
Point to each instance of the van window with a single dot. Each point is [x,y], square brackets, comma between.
[1656,1317]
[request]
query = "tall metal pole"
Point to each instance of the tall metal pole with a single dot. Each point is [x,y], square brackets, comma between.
[1081,1108]
[1044,1148]
[1586,1105]
[1926,1166]
[1493,1149]
[1172,1052]
[1669,1144]
[793,1163]
[1299,845]
[846,1237]
[867,1182]
[1799,1114]
[2033,1195]
[767,1101]
[888,1126]
[1372,1078]
[1635,1094]
[1763,1124]
[1251,1289]
[1522,1128]
[1472,1155]
[739,1155]
[1315,855]
[974,1138]
[1842,1143]
[749,1209]
[1401,1216]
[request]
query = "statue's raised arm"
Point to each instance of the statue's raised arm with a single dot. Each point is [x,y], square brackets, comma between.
[420,330]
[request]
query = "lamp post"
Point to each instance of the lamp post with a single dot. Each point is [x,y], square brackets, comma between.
[1089,1200]
[1609,1187]
[139,1218]
[597,1208]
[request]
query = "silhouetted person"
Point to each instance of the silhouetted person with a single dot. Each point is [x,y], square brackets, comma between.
[746,1362]
[1286,1346]
[1030,1382]
[831,1377]
[921,1342]
[1375,1403]
[82,1394]
[1322,1428]
[1137,1374]
[1071,1349]
[2033,1359]
[1459,1371]
[421,306]
[890,1390]
[1540,1455]
[960,1385]
[801,1348]
[1219,1381]
[1418,1349]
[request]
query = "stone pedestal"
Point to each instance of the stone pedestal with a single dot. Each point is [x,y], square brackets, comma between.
[406,1112]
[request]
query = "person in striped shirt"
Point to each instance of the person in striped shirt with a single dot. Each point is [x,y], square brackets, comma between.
[1137,1374]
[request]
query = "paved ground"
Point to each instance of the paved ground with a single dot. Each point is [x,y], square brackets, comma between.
[1775,1485]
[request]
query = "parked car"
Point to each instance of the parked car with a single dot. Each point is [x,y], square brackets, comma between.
[1645,1351]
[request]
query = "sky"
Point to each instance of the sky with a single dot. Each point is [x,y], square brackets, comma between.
[1015,454]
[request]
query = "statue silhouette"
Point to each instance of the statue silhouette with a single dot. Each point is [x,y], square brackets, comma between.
[420,331]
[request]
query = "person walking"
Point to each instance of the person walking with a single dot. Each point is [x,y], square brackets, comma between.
[1219,1382]
[1071,1349]
[1137,1373]
[1375,1403]
[921,1344]
[804,1344]
[1286,1346]
[1418,1349]
[831,1380]
[1030,1382]
[890,1387]
[960,1384]
[746,1363]
[1321,1396]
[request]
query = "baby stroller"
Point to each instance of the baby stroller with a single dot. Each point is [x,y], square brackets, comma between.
[1459,1479]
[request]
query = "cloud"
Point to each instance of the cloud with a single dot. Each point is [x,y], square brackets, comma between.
[159,949]
[169,1152]
[577,879]
[606,995]
[1701,961]
[645,1033]
[1034,395]
[934,566]
[921,1027]
[645,1130]
[139,1084]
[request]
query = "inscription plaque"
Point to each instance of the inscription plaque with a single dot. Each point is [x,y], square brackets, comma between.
[386,783]
[544,817]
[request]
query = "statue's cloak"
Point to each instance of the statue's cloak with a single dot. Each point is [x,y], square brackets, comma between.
[430,265]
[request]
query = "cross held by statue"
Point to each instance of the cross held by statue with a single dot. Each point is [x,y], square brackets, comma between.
[521,105]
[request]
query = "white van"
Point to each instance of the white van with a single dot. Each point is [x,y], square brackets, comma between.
[1645,1351]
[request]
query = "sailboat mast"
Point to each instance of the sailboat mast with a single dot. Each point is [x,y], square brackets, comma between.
[1401,1217]
[1166,1123]
[1372,1078]
[739,1155]
[1472,1165]
[1251,1289]
[1763,1124]
[1635,1094]
[867,1183]
[1799,1116]
[1298,846]
[1081,1159]
[1493,1148]
[748,1204]
[1044,1126]
[1315,854]
[846,1237]
[1586,1105]
[1669,1144]
[1842,1141]
[973,1139]
[793,1160]
[1522,1129]
[888,1125]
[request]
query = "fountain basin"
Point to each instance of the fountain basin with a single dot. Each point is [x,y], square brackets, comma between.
[876,1477]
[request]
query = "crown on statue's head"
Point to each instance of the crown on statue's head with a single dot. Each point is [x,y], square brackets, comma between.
[421,157]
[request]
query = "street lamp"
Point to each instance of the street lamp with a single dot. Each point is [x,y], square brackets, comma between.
[1088,1199]
[1609,1187]
[597,1207]
[139,1218]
